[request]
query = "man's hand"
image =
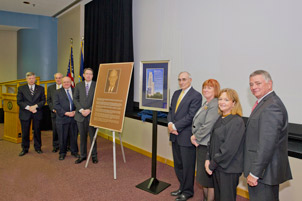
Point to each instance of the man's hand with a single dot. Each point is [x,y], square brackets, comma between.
[33,108]
[252,181]
[70,114]
[86,112]
[171,130]
[206,165]
[193,141]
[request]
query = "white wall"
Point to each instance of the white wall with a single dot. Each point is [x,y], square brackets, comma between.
[225,40]
[8,56]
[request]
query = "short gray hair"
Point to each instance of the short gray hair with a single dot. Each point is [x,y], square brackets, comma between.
[57,74]
[185,72]
[264,73]
[30,74]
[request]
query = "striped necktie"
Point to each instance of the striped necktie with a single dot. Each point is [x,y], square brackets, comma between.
[179,100]
[31,90]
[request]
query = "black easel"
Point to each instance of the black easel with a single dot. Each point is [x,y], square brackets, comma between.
[153,185]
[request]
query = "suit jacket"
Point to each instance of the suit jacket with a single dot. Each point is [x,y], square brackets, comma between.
[50,96]
[204,120]
[265,153]
[183,118]
[225,148]
[82,101]
[62,105]
[25,98]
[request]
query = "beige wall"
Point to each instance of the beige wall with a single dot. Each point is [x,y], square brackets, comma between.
[69,27]
[8,55]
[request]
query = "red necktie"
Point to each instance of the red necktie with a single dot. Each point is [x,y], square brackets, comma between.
[255,105]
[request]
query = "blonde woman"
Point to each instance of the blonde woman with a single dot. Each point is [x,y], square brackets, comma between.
[225,148]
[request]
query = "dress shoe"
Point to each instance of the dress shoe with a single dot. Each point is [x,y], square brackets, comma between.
[95,160]
[39,151]
[183,197]
[176,193]
[55,149]
[23,152]
[80,160]
[61,157]
[76,155]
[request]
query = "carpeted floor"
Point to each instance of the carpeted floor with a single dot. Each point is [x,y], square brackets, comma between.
[43,177]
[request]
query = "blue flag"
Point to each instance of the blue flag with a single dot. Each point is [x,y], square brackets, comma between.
[81,78]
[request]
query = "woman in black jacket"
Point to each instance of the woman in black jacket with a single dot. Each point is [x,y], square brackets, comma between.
[225,148]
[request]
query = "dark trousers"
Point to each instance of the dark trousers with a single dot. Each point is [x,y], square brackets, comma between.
[264,192]
[184,166]
[84,128]
[25,126]
[55,137]
[225,185]
[65,130]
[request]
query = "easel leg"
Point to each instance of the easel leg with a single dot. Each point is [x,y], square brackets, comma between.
[122,148]
[114,155]
[92,144]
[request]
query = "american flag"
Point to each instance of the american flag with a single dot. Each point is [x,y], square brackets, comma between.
[70,70]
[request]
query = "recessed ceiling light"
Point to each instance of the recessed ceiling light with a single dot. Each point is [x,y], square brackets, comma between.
[26,2]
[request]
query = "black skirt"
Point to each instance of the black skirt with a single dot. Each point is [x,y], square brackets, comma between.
[202,176]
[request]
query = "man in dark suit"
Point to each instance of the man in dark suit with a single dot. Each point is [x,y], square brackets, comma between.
[185,103]
[66,125]
[50,96]
[30,98]
[83,98]
[266,162]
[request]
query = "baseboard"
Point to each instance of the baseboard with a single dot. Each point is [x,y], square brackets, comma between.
[241,192]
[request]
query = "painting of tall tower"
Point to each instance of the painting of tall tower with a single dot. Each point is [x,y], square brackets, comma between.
[154,85]
[150,86]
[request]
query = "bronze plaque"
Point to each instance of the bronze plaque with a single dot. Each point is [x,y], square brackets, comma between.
[110,97]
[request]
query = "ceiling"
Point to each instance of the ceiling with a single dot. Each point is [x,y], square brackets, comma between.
[36,7]
[49,8]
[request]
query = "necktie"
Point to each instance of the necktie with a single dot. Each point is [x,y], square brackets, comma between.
[255,105]
[31,90]
[179,100]
[87,89]
[70,100]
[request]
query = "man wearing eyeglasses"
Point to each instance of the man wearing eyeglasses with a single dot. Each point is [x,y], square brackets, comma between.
[185,103]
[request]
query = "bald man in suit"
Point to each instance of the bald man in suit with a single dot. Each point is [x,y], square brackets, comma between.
[266,162]
[66,125]
[184,105]
[31,99]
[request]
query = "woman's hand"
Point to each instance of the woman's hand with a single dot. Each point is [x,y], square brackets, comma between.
[206,165]
[193,141]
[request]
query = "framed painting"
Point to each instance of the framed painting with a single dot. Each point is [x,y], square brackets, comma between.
[154,85]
